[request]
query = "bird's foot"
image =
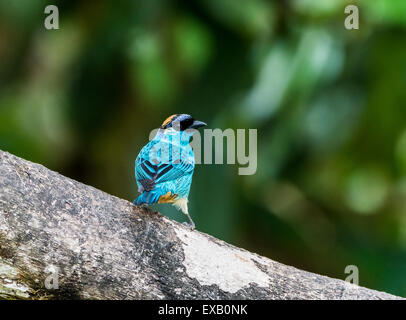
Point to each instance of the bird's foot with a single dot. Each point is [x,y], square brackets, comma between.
[191,226]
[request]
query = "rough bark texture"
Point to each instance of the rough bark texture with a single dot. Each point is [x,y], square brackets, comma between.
[103,247]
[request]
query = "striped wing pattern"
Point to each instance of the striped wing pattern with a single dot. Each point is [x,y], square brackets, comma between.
[169,175]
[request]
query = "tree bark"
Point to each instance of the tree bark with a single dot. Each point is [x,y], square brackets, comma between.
[61,239]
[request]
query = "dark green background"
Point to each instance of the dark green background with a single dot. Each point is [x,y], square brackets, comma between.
[328,103]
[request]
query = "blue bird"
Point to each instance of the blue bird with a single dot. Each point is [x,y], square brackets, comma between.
[164,167]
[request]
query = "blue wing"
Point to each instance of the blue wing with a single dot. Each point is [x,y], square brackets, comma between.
[151,175]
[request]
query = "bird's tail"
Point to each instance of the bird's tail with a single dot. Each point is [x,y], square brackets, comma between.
[148,197]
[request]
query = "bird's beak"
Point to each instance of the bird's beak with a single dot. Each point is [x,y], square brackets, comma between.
[197,124]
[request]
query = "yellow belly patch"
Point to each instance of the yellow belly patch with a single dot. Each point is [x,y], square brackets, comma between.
[167,198]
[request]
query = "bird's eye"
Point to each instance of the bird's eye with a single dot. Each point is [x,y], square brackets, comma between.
[185,124]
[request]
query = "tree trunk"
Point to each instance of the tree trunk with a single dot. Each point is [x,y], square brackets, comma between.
[61,239]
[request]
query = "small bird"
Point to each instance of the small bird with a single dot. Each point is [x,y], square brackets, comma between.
[164,167]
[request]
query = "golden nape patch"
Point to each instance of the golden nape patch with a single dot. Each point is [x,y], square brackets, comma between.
[167,120]
[167,198]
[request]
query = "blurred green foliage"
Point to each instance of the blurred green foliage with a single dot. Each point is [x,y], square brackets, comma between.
[328,103]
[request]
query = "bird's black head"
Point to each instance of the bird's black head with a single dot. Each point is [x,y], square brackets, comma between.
[182,122]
